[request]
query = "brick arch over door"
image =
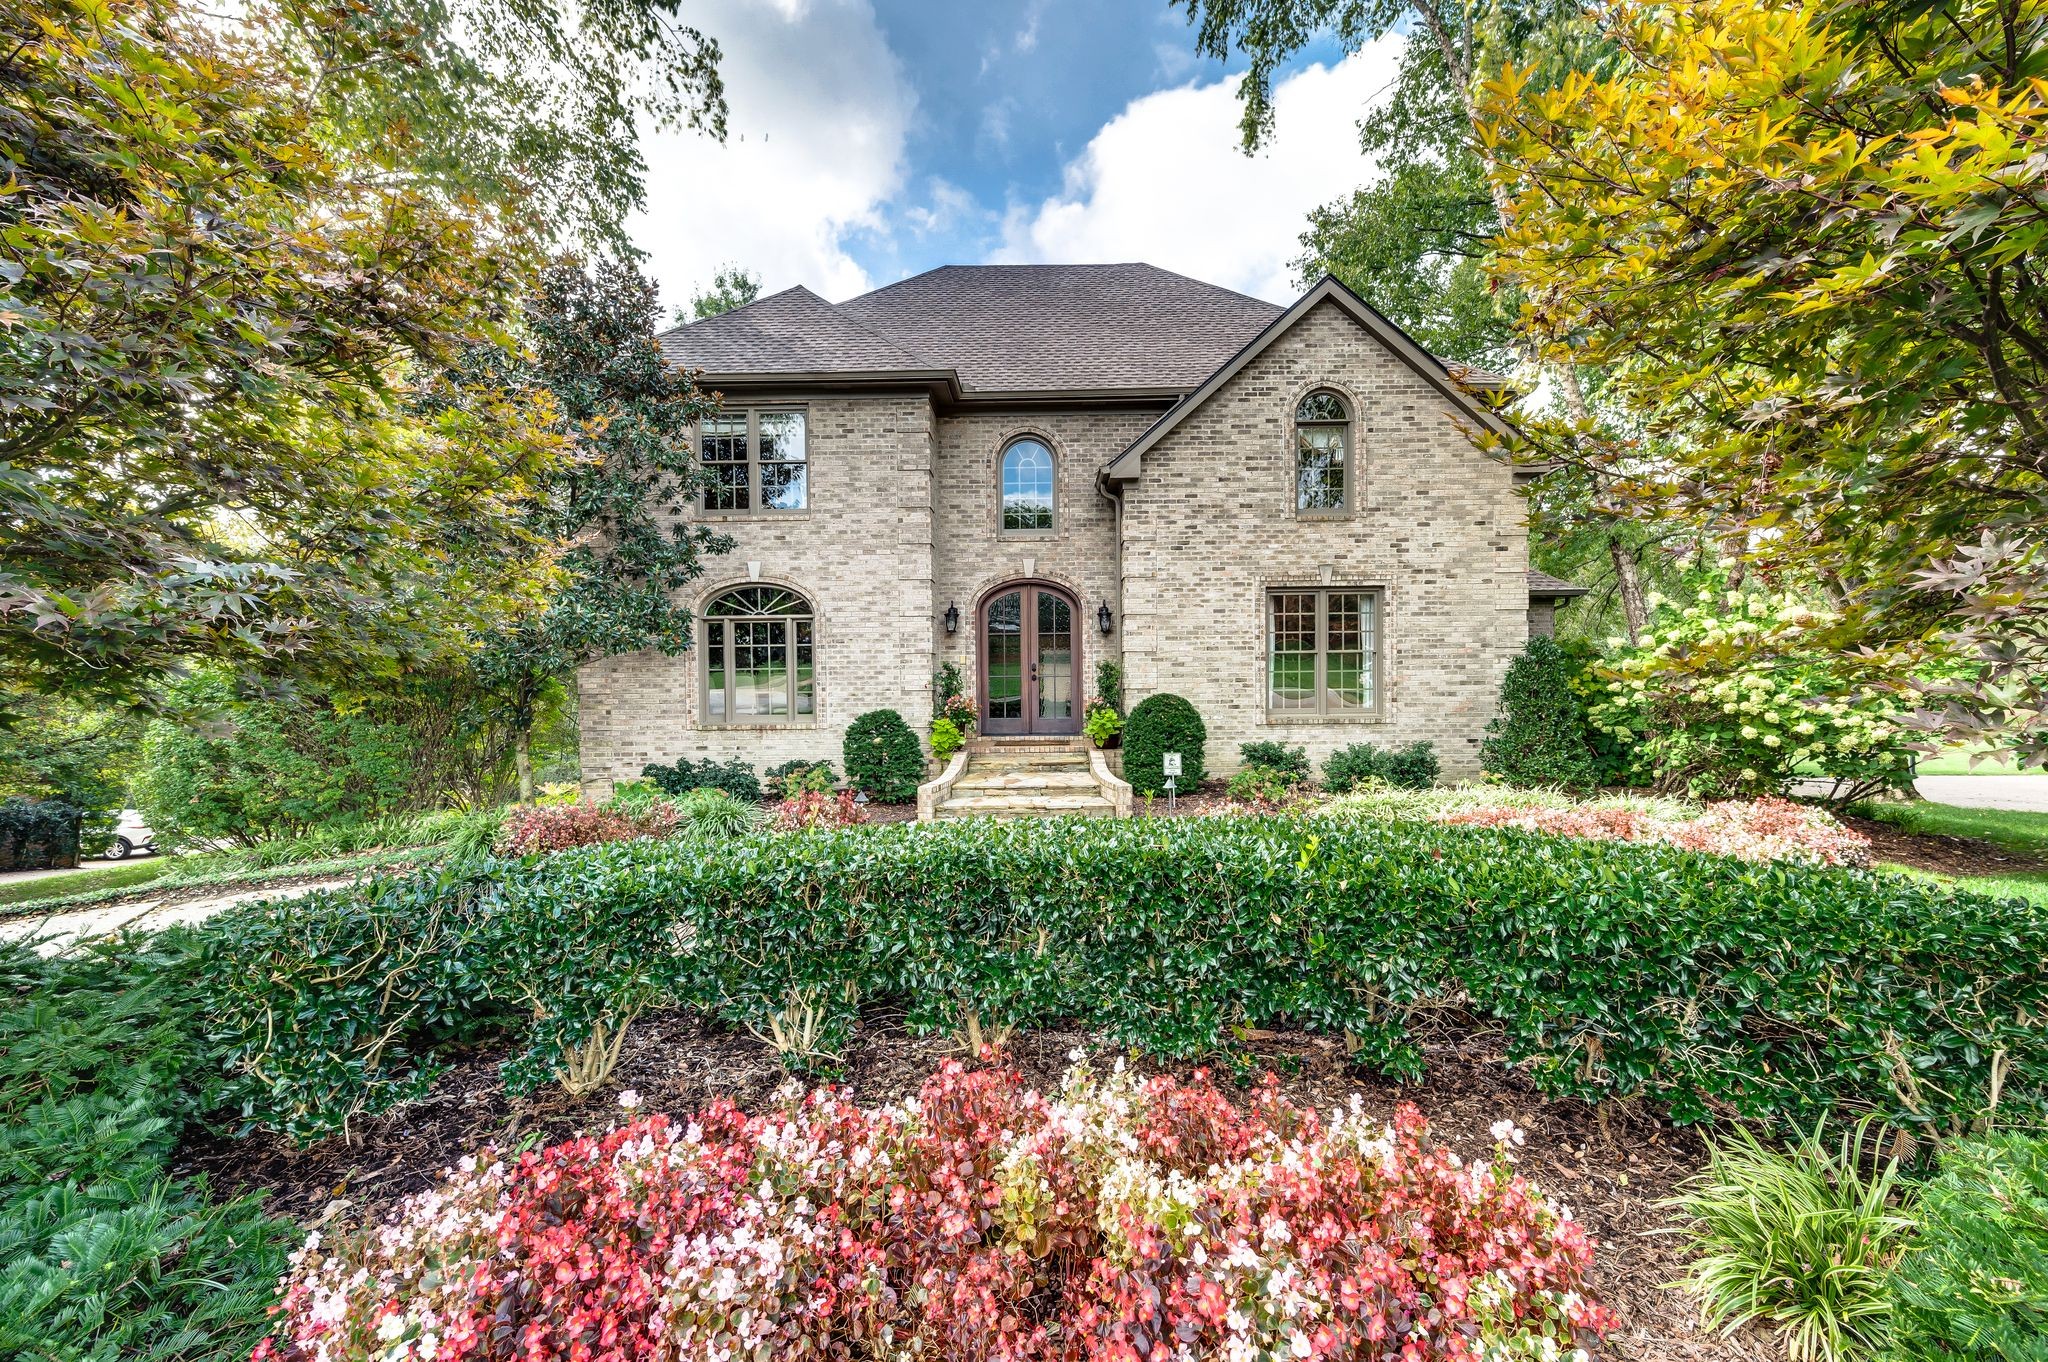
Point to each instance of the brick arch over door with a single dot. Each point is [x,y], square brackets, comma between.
[1029,676]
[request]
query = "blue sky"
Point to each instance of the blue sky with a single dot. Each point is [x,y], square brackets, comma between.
[872,139]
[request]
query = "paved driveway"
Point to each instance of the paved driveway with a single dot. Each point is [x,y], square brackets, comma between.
[51,933]
[2028,792]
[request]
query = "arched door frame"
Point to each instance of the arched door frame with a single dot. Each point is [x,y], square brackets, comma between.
[1028,720]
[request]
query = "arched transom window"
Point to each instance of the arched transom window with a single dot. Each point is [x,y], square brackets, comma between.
[1027,487]
[1322,445]
[758,657]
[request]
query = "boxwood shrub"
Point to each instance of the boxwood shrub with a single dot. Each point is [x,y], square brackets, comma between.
[883,757]
[1713,986]
[1162,724]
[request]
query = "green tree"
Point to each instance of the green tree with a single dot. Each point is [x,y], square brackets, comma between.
[539,105]
[731,287]
[616,502]
[1804,240]
[206,319]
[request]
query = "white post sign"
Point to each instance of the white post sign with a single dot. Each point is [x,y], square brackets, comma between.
[1169,766]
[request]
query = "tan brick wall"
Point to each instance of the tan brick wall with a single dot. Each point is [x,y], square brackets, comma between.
[1542,618]
[1210,526]
[971,556]
[862,554]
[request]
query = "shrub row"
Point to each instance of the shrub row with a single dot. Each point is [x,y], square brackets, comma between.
[1711,985]
[38,834]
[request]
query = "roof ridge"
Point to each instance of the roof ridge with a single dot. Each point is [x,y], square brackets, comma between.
[735,311]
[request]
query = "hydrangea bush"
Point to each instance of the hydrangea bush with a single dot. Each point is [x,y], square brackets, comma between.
[1721,702]
[1118,1220]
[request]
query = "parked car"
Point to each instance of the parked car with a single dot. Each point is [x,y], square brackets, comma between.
[131,835]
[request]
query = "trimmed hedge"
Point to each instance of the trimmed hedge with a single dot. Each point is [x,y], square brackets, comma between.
[1773,991]
[1162,724]
[38,834]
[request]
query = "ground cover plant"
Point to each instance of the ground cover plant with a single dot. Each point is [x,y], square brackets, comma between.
[980,1221]
[1974,1282]
[1610,969]
[735,777]
[1754,830]
[107,1254]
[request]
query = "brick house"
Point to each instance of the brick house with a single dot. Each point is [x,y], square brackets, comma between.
[1023,470]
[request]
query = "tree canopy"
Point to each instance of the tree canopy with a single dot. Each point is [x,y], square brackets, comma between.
[206,319]
[1804,241]
[731,287]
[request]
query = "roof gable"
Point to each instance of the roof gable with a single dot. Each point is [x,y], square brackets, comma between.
[1127,465]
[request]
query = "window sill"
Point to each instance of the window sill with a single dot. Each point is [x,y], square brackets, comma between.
[757,728]
[1317,720]
[726,517]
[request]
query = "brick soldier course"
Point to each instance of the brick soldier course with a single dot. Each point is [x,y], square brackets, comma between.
[1169,409]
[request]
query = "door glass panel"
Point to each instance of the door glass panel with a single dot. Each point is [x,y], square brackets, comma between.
[1055,657]
[1292,680]
[760,668]
[1006,656]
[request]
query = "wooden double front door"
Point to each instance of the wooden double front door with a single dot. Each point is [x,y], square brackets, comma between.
[1030,658]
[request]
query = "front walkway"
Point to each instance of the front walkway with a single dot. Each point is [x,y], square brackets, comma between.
[52,933]
[2025,792]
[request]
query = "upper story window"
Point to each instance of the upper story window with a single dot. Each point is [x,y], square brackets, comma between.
[758,657]
[755,460]
[1027,486]
[1322,455]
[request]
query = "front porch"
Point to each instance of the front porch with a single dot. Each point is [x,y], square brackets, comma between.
[1025,777]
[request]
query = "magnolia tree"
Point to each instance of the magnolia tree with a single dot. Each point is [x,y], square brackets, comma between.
[1721,702]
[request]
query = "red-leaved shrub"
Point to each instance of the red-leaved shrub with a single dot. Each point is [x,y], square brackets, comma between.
[816,809]
[1768,829]
[1120,1220]
[557,827]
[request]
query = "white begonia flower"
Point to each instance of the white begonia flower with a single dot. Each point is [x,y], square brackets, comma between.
[629,1099]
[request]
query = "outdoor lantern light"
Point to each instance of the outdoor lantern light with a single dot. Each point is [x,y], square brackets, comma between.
[952,618]
[1102,618]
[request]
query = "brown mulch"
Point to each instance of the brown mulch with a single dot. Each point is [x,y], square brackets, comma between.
[1942,855]
[1610,1165]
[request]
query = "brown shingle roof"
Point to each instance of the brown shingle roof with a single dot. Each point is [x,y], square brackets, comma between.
[1001,328]
[791,332]
[1543,584]
[1029,328]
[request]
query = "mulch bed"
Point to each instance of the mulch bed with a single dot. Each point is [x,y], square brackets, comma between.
[1610,1165]
[1942,855]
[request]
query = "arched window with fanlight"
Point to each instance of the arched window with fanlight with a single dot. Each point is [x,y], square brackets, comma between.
[1322,454]
[758,651]
[1027,487]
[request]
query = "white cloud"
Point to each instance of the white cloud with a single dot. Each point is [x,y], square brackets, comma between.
[820,110]
[1164,181]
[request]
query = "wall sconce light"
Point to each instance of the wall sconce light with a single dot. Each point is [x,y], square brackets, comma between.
[1103,619]
[952,618]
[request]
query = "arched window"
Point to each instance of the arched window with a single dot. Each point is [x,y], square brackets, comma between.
[757,657]
[1322,454]
[1027,487]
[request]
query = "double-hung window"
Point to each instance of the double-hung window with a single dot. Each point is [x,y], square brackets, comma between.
[1322,652]
[755,461]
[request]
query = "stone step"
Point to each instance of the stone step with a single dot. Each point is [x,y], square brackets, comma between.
[1052,757]
[1026,768]
[1025,804]
[1040,778]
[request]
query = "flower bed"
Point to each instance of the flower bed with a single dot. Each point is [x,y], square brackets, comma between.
[979,1221]
[1768,829]
[557,827]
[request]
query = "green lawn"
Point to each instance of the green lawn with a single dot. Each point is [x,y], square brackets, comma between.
[2012,829]
[2030,885]
[85,881]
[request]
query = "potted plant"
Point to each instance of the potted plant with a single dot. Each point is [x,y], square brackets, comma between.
[1103,724]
